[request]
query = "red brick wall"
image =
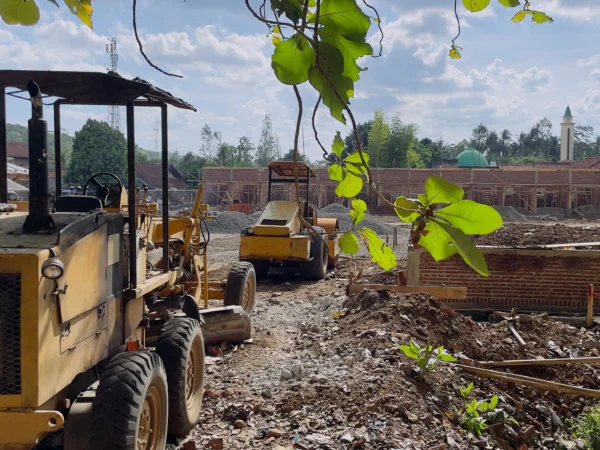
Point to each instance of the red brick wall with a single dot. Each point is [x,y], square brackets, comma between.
[531,280]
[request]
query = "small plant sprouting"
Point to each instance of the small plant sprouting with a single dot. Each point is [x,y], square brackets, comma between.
[464,392]
[426,357]
[479,414]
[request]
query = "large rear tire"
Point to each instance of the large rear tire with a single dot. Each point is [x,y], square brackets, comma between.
[241,286]
[181,347]
[316,268]
[130,411]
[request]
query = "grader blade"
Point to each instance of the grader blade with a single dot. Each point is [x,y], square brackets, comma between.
[229,323]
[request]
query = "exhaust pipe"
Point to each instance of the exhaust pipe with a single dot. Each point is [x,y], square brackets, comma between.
[39,207]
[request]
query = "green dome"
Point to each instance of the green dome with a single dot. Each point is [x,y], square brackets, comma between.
[472,158]
[568,112]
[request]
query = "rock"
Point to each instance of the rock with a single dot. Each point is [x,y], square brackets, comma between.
[595,352]
[354,411]
[321,387]
[556,421]
[189,445]
[286,375]
[270,441]
[359,355]
[239,424]
[216,443]
[349,361]
[266,393]
[508,341]
[274,433]
[297,371]
[543,410]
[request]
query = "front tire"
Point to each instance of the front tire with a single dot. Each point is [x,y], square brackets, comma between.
[181,347]
[241,286]
[316,268]
[130,411]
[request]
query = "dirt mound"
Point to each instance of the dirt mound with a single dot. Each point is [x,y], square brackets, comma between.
[525,235]
[589,212]
[510,214]
[380,325]
[229,222]
[340,212]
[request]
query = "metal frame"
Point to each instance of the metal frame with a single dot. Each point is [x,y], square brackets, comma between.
[131,179]
[288,181]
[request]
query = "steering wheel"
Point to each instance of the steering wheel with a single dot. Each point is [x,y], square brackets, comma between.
[105,186]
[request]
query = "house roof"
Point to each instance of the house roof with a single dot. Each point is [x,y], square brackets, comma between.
[13,169]
[13,186]
[590,163]
[151,175]
[17,150]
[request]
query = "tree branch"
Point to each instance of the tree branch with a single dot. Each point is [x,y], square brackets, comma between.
[137,38]
[378,26]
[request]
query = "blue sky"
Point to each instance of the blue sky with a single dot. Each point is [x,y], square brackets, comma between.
[510,76]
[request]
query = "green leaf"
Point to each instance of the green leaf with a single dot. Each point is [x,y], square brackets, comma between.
[415,346]
[336,172]
[292,9]
[437,242]
[455,52]
[493,401]
[406,216]
[471,217]
[292,59]
[440,190]
[423,199]
[540,17]
[349,187]
[82,9]
[330,75]
[354,158]
[476,5]
[518,17]
[509,3]
[338,145]
[446,357]
[276,30]
[349,243]
[351,51]
[19,12]
[358,211]
[473,257]
[409,352]
[380,252]
[345,18]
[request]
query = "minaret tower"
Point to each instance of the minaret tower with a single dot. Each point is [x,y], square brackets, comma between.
[567,136]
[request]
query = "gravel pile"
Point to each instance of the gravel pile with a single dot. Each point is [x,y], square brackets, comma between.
[229,222]
[340,212]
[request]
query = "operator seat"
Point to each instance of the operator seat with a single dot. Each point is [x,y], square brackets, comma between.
[77,203]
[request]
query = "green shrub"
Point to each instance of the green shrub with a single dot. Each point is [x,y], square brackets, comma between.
[587,427]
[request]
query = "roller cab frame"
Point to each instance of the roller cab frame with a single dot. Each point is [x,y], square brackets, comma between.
[289,233]
[103,287]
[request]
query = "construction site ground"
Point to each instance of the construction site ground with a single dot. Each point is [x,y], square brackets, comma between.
[323,371]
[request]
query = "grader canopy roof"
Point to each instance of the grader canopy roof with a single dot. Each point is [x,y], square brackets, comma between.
[92,88]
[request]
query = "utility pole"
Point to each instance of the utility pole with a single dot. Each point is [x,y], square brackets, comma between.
[114,119]
[303,151]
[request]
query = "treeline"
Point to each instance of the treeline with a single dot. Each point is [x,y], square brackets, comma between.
[392,143]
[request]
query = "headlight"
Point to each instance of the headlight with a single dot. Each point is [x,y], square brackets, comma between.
[53,269]
[251,230]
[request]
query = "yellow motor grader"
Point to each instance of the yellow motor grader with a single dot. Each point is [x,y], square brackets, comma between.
[289,233]
[103,298]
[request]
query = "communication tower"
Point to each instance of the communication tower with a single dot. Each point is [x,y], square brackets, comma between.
[114,119]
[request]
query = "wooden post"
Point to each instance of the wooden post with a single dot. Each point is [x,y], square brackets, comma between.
[590,306]
[395,238]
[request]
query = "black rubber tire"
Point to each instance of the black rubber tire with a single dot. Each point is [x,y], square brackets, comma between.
[178,337]
[119,400]
[261,268]
[242,278]
[316,268]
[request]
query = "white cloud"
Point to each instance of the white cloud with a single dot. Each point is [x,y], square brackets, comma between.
[577,10]
[595,74]
[591,61]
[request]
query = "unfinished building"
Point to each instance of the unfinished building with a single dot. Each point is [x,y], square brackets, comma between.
[523,187]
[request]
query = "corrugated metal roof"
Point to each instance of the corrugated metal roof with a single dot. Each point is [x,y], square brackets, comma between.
[13,186]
